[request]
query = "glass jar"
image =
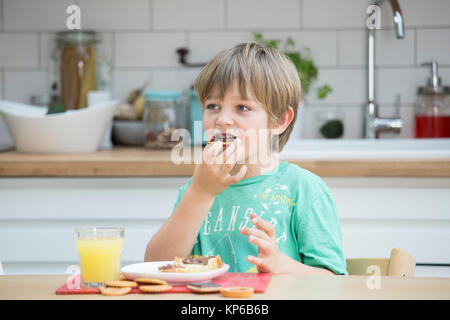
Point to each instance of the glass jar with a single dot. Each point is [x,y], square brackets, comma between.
[74,66]
[432,109]
[330,123]
[164,112]
[432,114]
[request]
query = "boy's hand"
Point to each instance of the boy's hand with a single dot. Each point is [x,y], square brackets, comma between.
[212,176]
[269,257]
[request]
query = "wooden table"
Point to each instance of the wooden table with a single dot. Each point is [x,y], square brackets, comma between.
[287,287]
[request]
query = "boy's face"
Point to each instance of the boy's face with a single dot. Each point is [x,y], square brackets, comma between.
[244,119]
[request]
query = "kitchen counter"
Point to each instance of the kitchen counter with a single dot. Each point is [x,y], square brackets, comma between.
[288,287]
[124,161]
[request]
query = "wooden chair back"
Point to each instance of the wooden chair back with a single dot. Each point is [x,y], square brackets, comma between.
[400,264]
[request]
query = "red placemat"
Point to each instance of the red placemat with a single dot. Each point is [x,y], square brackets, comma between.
[257,281]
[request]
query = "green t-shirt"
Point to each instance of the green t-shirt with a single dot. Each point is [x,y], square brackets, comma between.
[295,200]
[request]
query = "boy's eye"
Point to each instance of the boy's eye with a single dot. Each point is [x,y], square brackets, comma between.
[212,106]
[243,108]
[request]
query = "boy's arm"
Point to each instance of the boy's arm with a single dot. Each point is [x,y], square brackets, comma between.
[291,266]
[177,236]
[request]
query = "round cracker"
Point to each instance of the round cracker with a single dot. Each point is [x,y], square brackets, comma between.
[155,288]
[149,281]
[112,291]
[121,284]
[237,292]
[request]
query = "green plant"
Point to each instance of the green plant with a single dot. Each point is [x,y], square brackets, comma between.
[302,61]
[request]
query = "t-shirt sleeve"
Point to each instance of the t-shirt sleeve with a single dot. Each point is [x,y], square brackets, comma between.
[319,235]
[181,191]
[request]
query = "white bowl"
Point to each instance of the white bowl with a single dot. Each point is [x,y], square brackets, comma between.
[73,131]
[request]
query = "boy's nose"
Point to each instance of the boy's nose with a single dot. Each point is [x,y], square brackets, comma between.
[224,120]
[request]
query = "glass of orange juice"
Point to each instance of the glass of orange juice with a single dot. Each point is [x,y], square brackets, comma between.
[100,252]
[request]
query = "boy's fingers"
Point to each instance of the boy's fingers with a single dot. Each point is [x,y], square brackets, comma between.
[262,244]
[229,155]
[238,176]
[213,149]
[259,262]
[212,153]
[254,232]
[266,226]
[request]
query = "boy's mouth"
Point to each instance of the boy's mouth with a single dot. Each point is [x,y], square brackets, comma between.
[224,137]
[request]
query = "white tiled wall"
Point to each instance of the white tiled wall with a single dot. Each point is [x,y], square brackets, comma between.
[140,37]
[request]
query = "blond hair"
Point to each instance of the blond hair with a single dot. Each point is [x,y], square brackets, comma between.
[267,73]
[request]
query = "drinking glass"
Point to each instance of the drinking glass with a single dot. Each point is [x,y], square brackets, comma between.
[100,252]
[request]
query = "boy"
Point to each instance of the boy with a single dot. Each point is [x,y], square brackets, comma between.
[264,215]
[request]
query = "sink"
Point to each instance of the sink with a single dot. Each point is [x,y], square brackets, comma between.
[367,149]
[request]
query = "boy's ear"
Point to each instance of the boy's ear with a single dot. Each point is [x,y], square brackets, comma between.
[283,122]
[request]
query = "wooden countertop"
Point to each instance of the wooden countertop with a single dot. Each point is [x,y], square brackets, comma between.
[123,161]
[286,287]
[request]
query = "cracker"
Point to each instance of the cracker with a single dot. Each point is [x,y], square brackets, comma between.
[121,284]
[149,281]
[113,292]
[237,292]
[155,288]
[208,287]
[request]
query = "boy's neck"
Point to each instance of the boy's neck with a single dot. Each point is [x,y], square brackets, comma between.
[254,170]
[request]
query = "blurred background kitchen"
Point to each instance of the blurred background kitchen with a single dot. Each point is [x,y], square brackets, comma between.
[402,202]
[139,39]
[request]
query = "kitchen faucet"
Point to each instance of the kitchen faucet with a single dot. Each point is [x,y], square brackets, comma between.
[373,124]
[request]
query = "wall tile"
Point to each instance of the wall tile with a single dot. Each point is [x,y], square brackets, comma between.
[433,44]
[388,49]
[193,14]
[18,50]
[1,85]
[263,14]
[352,13]
[322,44]
[115,14]
[174,80]
[428,13]
[352,48]
[403,82]
[35,15]
[21,85]
[203,46]
[349,86]
[334,14]
[126,81]
[392,51]
[148,49]
[1,14]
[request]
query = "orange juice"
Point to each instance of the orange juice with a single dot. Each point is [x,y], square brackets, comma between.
[100,259]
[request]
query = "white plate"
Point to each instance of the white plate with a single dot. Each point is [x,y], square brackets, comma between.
[150,270]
